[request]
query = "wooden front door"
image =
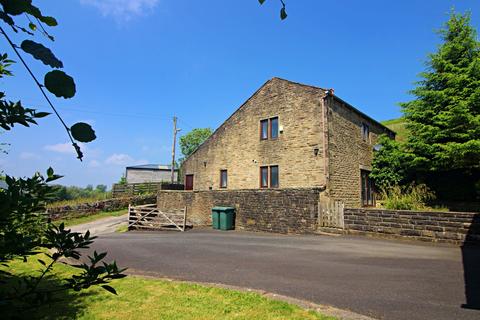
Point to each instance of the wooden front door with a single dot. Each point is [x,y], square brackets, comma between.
[189,182]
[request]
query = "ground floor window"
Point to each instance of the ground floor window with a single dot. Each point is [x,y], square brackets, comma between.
[269,177]
[263,177]
[368,192]
[223,178]
[274,177]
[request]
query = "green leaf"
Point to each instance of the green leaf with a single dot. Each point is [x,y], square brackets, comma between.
[16,7]
[42,53]
[41,114]
[53,178]
[60,84]
[109,289]
[34,11]
[283,14]
[83,132]
[101,256]
[6,18]
[49,21]
[78,151]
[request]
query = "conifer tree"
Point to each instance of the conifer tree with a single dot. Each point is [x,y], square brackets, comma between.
[444,119]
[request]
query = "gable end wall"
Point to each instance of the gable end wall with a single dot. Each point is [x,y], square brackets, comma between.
[236,145]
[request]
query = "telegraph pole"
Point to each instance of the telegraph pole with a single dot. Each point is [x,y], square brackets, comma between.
[175,131]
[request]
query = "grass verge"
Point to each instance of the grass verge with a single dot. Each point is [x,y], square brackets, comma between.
[89,218]
[122,229]
[399,126]
[145,298]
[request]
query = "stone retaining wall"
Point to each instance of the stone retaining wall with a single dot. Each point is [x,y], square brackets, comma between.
[451,227]
[296,211]
[273,210]
[89,208]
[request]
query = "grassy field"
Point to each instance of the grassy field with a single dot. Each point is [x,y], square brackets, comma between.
[397,125]
[142,298]
[79,220]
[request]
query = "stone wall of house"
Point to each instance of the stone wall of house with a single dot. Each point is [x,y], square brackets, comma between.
[279,210]
[450,227]
[348,152]
[89,208]
[236,145]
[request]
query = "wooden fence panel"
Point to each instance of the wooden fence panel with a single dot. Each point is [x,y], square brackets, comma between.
[331,214]
[132,189]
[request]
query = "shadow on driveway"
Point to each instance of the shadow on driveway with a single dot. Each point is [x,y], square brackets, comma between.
[471,265]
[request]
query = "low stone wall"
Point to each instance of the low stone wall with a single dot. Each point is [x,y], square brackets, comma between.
[450,227]
[296,211]
[274,210]
[85,209]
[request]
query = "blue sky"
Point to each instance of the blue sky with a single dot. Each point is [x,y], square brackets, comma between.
[136,63]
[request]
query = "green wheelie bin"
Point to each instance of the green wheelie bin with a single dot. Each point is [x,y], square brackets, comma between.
[227,218]
[216,217]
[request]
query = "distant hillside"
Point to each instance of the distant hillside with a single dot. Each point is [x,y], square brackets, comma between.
[397,125]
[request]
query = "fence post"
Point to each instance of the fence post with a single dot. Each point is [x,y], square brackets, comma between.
[184,218]
[129,214]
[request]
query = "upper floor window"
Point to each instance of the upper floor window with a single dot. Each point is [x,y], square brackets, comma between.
[264,129]
[223,178]
[269,128]
[365,132]
[274,128]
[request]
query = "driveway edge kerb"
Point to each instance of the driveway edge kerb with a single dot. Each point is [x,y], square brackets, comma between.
[323,309]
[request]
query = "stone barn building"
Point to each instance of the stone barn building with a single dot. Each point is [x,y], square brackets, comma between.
[148,173]
[288,136]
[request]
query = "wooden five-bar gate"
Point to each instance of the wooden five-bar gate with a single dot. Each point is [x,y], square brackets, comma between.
[149,217]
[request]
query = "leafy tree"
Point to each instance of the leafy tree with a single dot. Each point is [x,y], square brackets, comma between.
[443,122]
[101,188]
[390,164]
[23,231]
[123,179]
[192,140]
[444,119]
[72,192]
[23,228]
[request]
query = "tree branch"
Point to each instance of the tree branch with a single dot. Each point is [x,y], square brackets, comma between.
[40,86]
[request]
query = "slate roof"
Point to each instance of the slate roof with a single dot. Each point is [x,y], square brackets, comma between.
[160,167]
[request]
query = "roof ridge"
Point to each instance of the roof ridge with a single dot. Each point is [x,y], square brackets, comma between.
[300,83]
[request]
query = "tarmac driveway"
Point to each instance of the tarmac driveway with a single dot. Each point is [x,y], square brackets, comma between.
[381,279]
